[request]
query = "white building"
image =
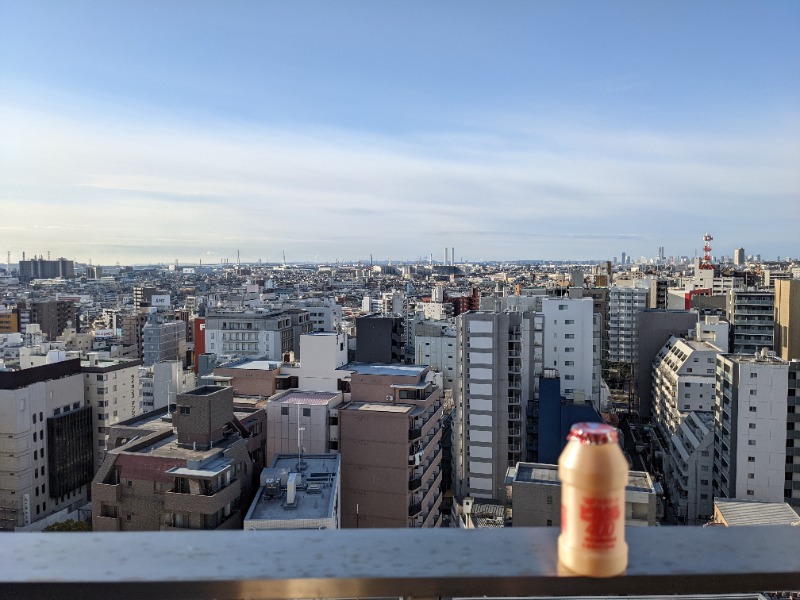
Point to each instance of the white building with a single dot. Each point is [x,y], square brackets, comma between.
[298,420]
[323,355]
[623,305]
[435,345]
[569,343]
[499,362]
[161,383]
[754,449]
[688,468]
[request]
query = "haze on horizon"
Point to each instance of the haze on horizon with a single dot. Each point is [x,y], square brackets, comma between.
[145,132]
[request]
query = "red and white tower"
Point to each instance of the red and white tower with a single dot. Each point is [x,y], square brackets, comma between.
[706,262]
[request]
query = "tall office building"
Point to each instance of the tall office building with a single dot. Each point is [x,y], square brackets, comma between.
[787,319]
[499,362]
[756,453]
[738,257]
[751,314]
[46,456]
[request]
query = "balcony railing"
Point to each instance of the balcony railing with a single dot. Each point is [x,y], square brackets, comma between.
[382,563]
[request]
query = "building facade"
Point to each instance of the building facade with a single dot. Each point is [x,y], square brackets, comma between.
[751,314]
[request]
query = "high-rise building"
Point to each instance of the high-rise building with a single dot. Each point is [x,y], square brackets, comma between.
[756,455]
[751,314]
[379,339]
[738,257]
[46,459]
[624,303]
[787,319]
[569,345]
[53,316]
[500,358]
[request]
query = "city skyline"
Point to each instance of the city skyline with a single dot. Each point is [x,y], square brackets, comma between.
[576,131]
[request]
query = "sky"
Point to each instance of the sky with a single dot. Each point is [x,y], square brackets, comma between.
[152,131]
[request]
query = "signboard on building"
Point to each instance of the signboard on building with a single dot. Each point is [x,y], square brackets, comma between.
[103,334]
[26,508]
[160,301]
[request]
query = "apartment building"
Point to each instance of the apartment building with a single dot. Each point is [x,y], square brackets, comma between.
[257,333]
[569,345]
[751,314]
[499,361]
[53,316]
[379,339]
[390,439]
[163,342]
[688,468]
[787,319]
[198,469]
[111,388]
[435,344]
[46,453]
[624,303]
[756,448]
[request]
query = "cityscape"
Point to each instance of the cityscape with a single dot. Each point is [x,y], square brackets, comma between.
[278,274]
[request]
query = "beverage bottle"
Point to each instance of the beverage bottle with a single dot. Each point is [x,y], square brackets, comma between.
[593,473]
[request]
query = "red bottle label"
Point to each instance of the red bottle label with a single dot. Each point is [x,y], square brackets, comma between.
[601,516]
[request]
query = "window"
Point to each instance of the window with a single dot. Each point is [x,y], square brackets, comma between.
[704,482]
[184,410]
[704,468]
[751,442]
[34,418]
[284,410]
[750,493]
[753,375]
[752,409]
[569,336]
[128,517]
[751,475]
[754,392]
[569,349]
[751,459]
[751,426]
[703,496]
[569,377]
[549,499]
[549,522]
[562,307]
[569,363]
[569,322]
[306,412]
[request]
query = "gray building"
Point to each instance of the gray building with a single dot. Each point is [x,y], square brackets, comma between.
[752,319]
[163,341]
[535,494]
[379,339]
[624,303]
[499,362]
[654,328]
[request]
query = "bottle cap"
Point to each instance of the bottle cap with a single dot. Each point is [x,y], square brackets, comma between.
[593,433]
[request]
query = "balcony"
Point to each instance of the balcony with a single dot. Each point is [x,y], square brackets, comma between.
[414,509]
[383,563]
[202,503]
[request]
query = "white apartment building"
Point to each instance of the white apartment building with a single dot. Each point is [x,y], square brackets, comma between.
[255,333]
[499,362]
[161,383]
[435,345]
[623,305]
[755,429]
[324,313]
[111,388]
[689,466]
[569,345]
[299,420]
[683,381]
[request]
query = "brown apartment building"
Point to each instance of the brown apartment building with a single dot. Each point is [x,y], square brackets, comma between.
[202,477]
[390,440]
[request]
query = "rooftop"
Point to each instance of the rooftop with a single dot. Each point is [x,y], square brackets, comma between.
[381,407]
[302,397]
[315,496]
[255,364]
[390,369]
[749,512]
[638,481]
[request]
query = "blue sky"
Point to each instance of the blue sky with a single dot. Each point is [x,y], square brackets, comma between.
[149,131]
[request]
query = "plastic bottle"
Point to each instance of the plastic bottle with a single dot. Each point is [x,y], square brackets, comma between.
[593,473]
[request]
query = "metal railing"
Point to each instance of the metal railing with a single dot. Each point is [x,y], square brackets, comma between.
[383,563]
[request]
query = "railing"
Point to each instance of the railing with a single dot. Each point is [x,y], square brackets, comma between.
[383,563]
